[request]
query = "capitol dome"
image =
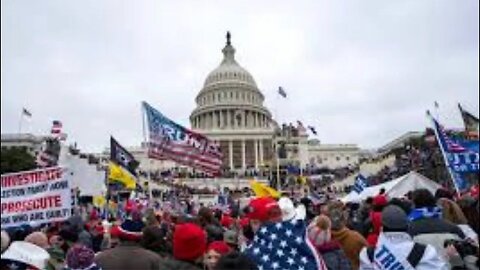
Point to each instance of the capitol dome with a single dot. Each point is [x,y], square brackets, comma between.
[230,98]
[229,70]
[229,110]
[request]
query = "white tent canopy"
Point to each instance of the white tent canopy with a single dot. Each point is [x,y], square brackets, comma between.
[395,188]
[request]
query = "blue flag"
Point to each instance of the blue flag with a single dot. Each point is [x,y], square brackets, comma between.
[284,245]
[360,183]
[461,156]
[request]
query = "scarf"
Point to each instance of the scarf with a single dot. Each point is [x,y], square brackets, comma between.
[425,212]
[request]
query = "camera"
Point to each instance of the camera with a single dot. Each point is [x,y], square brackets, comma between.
[464,248]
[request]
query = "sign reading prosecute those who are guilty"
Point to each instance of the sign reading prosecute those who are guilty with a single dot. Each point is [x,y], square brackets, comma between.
[38,196]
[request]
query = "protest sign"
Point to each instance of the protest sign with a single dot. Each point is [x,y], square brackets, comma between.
[38,196]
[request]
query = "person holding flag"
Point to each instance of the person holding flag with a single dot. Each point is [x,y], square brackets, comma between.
[279,244]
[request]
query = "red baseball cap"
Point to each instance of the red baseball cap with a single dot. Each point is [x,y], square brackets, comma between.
[263,209]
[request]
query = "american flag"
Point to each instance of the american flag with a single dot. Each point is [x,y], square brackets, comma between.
[171,141]
[360,183]
[56,127]
[47,156]
[312,129]
[284,245]
[282,92]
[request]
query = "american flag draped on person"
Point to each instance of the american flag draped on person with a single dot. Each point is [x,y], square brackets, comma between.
[284,245]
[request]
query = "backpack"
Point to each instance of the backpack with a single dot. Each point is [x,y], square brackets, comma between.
[413,257]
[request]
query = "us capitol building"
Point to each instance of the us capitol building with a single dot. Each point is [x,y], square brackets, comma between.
[230,109]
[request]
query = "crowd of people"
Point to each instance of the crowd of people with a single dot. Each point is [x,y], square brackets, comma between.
[419,231]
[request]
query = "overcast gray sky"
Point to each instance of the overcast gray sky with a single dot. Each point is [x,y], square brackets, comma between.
[360,71]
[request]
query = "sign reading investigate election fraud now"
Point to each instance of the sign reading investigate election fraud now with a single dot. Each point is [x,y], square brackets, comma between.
[38,196]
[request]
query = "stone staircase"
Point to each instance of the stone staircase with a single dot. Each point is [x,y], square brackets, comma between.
[366,168]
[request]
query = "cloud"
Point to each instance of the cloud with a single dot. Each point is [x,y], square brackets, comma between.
[362,72]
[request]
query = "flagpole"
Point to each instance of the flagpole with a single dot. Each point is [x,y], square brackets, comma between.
[20,122]
[444,155]
[145,144]
[277,155]
[437,110]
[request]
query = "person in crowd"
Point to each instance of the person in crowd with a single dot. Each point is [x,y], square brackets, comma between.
[213,228]
[80,257]
[427,225]
[262,210]
[77,226]
[319,233]
[363,214]
[24,255]
[353,220]
[374,221]
[470,208]
[226,220]
[402,203]
[128,254]
[452,212]
[189,245]
[5,240]
[351,241]
[231,238]
[38,238]
[235,261]
[215,250]
[395,248]
[154,236]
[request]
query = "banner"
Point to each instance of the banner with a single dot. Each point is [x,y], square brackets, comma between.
[465,162]
[39,196]
[461,156]
[171,141]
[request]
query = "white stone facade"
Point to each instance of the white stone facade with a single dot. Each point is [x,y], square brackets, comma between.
[32,143]
[333,156]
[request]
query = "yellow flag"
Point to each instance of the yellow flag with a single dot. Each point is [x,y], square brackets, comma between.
[302,180]
[262,190]
[119,174]
[99,201]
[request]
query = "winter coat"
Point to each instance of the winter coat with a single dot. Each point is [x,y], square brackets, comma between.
[173,264]
[128,256]
[351,242]
[376,224]
[393,248]
[333,256]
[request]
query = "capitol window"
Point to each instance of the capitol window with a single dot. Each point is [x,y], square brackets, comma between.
[236,95]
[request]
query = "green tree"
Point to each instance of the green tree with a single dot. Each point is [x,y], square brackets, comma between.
[16,159]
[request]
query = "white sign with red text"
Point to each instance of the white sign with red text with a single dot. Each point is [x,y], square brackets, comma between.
[38,196]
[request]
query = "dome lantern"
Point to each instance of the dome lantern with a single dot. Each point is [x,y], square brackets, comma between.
[228,52]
